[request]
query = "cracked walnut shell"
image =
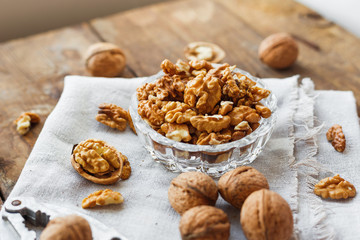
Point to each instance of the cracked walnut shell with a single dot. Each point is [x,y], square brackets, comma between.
[105,60]
[337,138]
[204,222]
[335,188]
[192,189]
[266,215]
[71,227]
[235,186]
[101,198]
[204,51]
[97,161]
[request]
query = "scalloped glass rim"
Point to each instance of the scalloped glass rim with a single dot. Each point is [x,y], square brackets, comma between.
[266,124]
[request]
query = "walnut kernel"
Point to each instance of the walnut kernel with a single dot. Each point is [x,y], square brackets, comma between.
[335,188]
[337,138]
[101,198]
[112,116]
[23,123]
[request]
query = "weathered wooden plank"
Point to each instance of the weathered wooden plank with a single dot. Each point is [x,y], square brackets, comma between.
[31,77]
[328,54]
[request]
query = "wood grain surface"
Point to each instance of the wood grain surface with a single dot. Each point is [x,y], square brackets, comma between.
[32,69]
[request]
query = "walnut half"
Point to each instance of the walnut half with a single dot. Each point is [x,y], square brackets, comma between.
[97,161]
[337,138]
[335,188]
[112,115]
[102,197]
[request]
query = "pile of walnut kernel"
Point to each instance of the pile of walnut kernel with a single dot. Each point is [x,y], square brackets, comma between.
[200,104]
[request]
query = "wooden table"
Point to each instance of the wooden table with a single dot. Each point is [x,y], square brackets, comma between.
[32,69]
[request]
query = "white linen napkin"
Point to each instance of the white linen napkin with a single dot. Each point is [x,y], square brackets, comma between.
[146,213]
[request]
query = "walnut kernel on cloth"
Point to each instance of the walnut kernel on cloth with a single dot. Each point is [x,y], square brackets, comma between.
[266,215]
[23,123]
[204,222]
[335,188]
[102,197]
[112,116]
[71,227]
[192,189]
[337,138]
[97,161]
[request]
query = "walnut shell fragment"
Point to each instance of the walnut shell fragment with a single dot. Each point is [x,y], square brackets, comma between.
[337,138]
[278,50]
[266,215]
[105,60]
[204,222]
[71,227]
[101,198]
[335,188]
[97,161]
[235,186]
[192,189]
[204,51]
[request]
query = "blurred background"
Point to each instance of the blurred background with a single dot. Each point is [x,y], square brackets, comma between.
[20,18]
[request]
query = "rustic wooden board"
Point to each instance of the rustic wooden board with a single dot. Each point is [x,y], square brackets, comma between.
[328,54]
[32,72]
[32,69]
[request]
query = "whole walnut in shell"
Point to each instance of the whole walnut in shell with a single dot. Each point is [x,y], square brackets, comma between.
[278,50]
[204,223]
[192,189]
[235,186]
[105,60]
[71,227]
[266,215]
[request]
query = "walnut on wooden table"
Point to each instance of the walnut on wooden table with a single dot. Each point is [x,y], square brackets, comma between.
[335,188]
[24,121]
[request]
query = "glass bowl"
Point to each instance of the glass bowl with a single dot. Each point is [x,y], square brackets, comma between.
[213,160]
